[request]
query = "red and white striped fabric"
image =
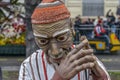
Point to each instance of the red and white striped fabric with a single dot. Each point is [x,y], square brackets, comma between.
[36,67]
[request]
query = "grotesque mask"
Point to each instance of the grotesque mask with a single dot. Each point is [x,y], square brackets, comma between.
[55,39]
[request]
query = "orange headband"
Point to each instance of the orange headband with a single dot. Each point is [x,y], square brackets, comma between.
[47,12]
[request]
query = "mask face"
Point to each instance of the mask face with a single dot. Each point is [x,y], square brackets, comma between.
[54,39]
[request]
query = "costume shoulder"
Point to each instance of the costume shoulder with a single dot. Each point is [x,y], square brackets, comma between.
[29,67]
[33,57]
[103,67]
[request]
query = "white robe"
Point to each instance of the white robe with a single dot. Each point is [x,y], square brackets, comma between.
[36,67]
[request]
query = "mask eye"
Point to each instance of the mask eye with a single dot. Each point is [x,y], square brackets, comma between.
[42,41]
[62,37]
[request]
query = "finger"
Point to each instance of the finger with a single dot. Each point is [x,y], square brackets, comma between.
[88,46]
[83,60]
[83,53]
[78,47]
[83,38]
[85,66]
[82,67]
[80,54]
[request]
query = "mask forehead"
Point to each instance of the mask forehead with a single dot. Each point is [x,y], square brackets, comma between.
[50,29]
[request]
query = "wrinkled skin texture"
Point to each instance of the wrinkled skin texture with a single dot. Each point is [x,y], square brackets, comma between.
[77,60]
[55,50]
[80,58]
[66,61]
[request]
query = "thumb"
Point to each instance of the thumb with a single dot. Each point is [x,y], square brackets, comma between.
[82,39]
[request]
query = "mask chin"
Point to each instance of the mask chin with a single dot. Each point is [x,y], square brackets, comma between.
[63,52]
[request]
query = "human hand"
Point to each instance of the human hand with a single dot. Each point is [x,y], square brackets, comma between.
[97,71]
[80,58]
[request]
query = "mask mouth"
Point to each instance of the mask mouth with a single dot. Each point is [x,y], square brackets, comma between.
[63,53]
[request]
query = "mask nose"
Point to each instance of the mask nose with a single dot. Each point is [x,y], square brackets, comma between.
[54,50]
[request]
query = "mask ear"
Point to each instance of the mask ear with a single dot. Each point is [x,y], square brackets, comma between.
[72,28]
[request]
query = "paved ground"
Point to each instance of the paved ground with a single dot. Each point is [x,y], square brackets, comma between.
[11,63]
[111,62]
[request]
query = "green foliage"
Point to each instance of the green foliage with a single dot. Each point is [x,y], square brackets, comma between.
[115,75]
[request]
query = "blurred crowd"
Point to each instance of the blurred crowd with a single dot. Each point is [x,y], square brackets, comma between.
[99,27]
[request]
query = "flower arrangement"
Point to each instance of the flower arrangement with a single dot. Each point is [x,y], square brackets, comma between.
[12,26]
[13,33]
[12,40]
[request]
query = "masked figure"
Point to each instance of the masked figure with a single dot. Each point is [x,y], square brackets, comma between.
[58,58]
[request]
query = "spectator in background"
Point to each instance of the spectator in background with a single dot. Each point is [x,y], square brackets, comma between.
[110,16]
[90,21]
[112,20]
[118,27]
[118,11]
[113,27]
[96,20]
[87,28]
[118,22]
[106,26]
[100,33]
[76,27]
